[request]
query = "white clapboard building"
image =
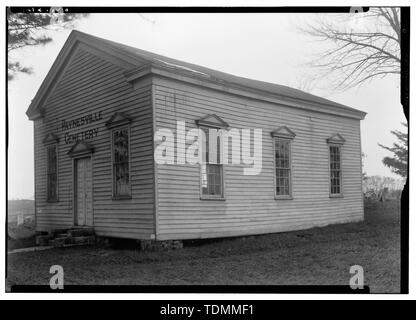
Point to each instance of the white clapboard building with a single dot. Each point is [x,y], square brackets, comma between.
[99,117]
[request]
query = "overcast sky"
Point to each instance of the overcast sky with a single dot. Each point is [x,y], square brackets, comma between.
[264,46]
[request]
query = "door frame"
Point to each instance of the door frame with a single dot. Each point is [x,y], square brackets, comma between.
[74,189]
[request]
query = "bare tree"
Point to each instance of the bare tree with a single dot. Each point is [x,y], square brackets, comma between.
[28,29]
[367,48]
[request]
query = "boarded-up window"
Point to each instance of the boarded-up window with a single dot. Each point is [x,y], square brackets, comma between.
[52,183]
[121,171]
[335,169]
[283,174]
[211,168]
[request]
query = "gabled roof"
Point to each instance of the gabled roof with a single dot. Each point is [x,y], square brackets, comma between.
[134,59]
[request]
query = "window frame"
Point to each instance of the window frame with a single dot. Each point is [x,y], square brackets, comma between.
[208,196]
[282,196]
[55,147]
[283,132]
[341,178]
[113,186]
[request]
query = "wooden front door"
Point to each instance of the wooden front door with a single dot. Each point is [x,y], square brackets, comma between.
[83,192]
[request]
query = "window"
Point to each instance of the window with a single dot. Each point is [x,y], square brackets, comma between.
[282,161]
[335,169]
[283,137]
[211,169]
[335,143]
[121,165]
[119,126]
[52,178]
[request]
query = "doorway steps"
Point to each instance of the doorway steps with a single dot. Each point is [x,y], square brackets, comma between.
[75,236]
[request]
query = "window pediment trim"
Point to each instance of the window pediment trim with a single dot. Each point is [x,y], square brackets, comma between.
[50,138]
[283,132]
[118,119]
[336,139]
[80,148]
[213,121]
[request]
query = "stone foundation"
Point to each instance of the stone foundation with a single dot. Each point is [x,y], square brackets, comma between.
[153,245]
[69,237]
[66,237]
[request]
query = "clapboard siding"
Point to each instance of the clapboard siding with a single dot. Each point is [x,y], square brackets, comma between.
[250,206]
[92,84]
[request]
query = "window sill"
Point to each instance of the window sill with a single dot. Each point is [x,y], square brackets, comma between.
[336,196]
[52,201]
[121,198]
[283,198]
[212,198]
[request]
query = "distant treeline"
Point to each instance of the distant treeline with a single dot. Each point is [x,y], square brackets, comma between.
[378,186]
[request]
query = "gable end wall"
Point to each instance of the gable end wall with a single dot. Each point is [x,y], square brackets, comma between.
[92,84]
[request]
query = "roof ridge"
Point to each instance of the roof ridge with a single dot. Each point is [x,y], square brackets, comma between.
[137,56]
[144,54]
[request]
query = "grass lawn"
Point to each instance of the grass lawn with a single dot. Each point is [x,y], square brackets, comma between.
[319,256]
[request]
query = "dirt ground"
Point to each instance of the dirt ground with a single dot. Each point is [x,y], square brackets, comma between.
[319,256]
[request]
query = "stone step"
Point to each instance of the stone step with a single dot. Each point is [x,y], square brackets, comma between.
[81,232]
[62,235]
[67,237]
[71,241]
[55,232]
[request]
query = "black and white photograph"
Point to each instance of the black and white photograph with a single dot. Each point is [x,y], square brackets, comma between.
[207,150]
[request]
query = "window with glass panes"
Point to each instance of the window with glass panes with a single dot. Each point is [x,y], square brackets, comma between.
[52,180]
[283,174]
[121,168]
[335,168]
[211,168]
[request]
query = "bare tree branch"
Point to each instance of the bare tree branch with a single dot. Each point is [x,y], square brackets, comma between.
[357,56]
